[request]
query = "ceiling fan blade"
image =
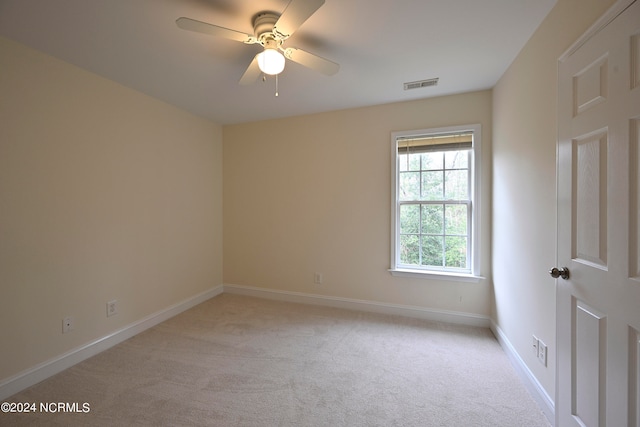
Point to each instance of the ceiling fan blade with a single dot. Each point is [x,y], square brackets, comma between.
[213,30]
[294,15]
[251,75]
[312,61]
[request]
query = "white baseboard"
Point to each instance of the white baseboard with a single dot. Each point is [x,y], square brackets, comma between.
[42,371]
[530,382]
[460,318]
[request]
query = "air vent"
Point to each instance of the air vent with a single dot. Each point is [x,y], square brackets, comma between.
[421,83]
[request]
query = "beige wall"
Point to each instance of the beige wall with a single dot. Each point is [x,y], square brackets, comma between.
[104,194]
[524,180]
[108,194]
[313,194]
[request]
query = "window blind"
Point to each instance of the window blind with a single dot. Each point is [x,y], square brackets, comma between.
[429,143]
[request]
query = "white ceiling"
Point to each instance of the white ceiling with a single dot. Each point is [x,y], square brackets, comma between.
[379,44]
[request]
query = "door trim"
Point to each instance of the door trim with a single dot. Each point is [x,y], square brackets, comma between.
[611,14]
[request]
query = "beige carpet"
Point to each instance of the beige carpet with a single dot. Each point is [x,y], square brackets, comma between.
[241,361]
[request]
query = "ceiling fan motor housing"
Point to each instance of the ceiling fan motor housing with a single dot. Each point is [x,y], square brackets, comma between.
[263,25]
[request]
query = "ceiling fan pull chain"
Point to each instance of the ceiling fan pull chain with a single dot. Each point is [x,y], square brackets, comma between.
[276,85]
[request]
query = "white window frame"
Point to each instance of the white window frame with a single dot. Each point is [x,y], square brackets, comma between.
[475,171]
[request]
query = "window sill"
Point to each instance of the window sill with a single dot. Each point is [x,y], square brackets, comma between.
[435,275]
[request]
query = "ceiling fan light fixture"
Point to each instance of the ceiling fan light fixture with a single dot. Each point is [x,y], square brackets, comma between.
[271,61]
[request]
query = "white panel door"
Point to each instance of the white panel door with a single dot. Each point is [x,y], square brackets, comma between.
[598,305]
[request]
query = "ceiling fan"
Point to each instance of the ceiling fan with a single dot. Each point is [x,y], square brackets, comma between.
[271,31]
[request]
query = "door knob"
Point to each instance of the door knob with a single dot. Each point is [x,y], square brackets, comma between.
[556,272]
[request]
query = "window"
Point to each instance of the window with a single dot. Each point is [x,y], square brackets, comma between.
[435,192]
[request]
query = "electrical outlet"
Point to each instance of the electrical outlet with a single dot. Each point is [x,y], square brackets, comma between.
[112,308]
[542,353]
[317,278]
[534,345]
[68,324]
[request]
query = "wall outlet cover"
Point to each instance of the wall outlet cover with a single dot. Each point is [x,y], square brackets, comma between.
[112,308]
[542,353]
